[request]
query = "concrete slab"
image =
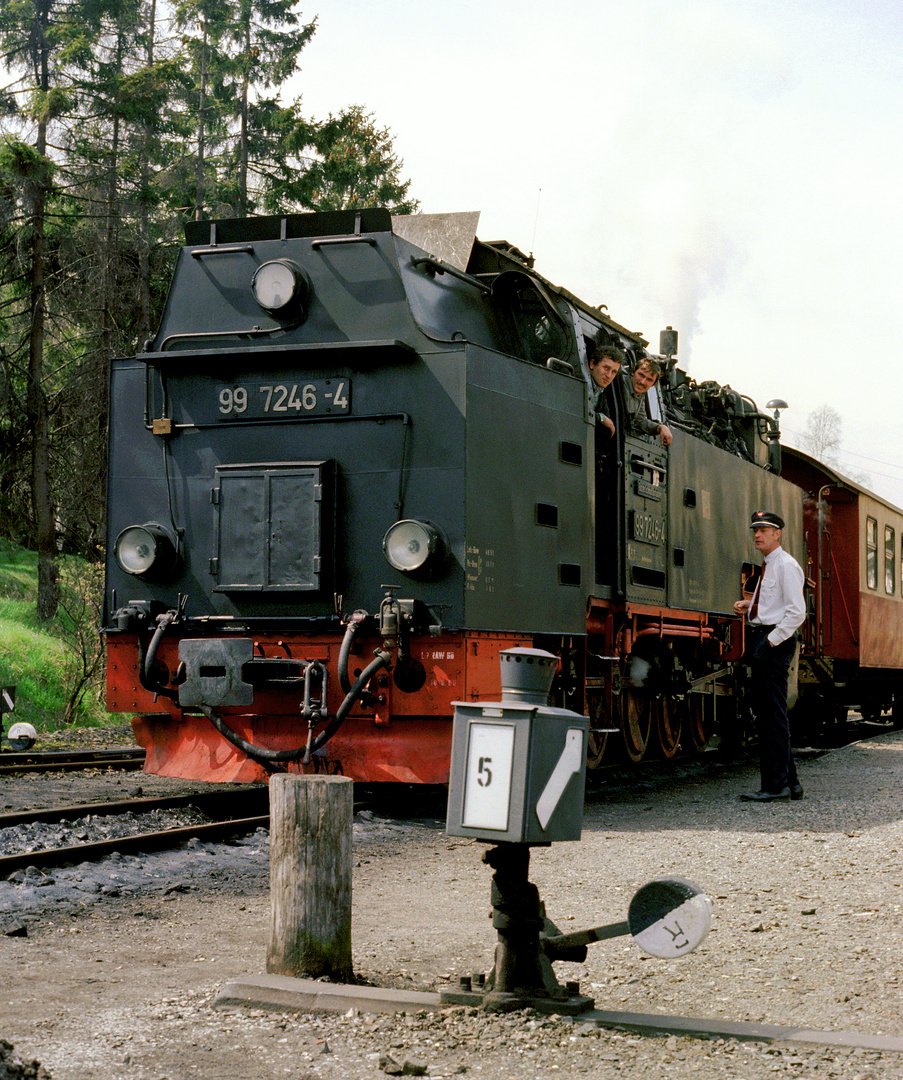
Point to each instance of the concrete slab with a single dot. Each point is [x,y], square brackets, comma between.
[309,995]
[654,1024]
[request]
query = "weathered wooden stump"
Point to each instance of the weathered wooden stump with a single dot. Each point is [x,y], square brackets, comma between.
[310,876]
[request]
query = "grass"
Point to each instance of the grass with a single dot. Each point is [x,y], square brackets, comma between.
[56,666]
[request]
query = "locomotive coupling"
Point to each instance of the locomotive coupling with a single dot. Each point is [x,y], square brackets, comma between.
[137,614]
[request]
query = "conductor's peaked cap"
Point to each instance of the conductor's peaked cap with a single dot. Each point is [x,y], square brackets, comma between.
[766,517]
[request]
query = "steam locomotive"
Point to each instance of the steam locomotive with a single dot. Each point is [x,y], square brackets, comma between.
[359,459]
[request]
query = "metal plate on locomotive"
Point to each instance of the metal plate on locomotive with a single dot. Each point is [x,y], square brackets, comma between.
[204,403]
[275,400]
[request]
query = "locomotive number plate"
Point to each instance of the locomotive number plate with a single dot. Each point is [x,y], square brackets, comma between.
[647,528]
[279,400]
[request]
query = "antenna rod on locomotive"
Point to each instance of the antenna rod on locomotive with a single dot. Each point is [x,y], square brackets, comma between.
[535,223]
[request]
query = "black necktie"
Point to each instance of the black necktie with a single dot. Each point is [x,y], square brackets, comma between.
[754,606]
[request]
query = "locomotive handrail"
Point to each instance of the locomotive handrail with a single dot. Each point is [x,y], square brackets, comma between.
[380,418]
[443,268]
[253,331]
[638,460]
[301,346]
[334,240]
[232,249]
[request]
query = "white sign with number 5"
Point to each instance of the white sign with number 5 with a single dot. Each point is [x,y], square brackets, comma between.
[487,780]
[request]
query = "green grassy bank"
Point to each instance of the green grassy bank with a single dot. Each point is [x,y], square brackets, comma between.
[56,666]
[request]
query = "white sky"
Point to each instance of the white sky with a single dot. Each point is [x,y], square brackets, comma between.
[731,168]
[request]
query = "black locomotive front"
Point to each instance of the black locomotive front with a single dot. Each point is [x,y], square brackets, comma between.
[359,459]
[337,448]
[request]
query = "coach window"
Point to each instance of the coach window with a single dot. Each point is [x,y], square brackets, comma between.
[871,553]
[889,561]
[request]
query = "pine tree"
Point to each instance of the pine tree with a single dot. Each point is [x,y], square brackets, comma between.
[352,164]
[266,38]
[41,39]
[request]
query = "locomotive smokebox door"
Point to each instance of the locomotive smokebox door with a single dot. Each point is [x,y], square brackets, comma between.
[518,766]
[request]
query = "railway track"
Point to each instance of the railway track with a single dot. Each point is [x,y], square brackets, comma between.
[234,807]
[242,810]
[70,761]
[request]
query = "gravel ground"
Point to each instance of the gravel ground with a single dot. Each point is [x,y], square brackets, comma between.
[807,932]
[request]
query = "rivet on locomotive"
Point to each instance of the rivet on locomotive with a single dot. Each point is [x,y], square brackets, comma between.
[360,459]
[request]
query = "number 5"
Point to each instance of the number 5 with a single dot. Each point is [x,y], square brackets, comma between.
[483,768]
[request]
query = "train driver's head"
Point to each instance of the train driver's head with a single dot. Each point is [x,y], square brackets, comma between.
[605,364]
[645,375]
[766,528]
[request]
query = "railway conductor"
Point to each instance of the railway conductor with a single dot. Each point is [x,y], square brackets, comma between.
[774,612]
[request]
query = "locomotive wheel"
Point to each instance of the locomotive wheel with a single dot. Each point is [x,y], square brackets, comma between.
[669,716]
[598,741]
[636,722]
[596,745]
[695,724]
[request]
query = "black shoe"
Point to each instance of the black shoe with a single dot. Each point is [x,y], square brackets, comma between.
[768,796]
[796,791]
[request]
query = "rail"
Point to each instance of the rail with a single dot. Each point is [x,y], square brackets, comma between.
[70,761]
[160,840]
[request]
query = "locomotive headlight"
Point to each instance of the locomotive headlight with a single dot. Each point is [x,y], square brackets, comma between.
[146,551]
[415,547]
[281,285]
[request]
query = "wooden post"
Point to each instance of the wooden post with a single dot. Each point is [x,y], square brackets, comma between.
[310,876]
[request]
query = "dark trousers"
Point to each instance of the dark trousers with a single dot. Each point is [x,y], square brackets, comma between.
[770,665]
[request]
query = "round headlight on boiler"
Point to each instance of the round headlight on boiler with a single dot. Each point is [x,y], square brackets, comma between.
[281,287]
[147,551]
[415,547]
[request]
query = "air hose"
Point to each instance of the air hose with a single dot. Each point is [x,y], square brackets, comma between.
[146,658]
[354,624]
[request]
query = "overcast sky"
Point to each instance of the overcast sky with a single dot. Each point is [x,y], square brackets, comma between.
[732,168]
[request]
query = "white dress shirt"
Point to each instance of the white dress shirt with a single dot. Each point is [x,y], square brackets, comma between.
[781,601]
